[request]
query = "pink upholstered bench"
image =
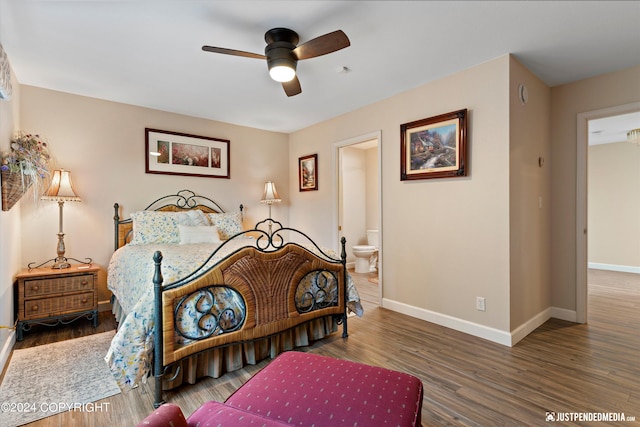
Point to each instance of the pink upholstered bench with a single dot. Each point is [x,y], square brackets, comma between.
[305,389]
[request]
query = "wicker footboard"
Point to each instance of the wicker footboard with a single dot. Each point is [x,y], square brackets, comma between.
[255,303]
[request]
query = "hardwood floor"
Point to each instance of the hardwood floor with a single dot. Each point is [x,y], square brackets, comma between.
[468,381]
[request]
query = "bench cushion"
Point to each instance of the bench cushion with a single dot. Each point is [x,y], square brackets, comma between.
[216,414]
[306,389]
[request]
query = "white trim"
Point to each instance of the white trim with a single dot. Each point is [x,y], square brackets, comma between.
[6,349]
[481,331]
[582,141]
[530,325]
[614,267]
[564,314]
[475,329]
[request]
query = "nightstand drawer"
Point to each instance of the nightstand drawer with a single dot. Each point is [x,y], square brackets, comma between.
[35,288]
[54,306]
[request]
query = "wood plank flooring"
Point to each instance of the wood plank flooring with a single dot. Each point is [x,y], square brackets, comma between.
[468,381]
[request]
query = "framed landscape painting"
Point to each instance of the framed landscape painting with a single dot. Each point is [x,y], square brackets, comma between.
[435,147]
[308,172]
[174,153]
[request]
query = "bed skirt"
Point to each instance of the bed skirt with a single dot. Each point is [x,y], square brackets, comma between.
[218,361]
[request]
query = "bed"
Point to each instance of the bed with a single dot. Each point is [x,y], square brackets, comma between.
[223,295]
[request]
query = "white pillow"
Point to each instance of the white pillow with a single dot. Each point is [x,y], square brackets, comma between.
[197,217]
[198,234]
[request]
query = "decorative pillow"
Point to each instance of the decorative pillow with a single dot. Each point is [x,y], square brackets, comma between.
[197,217]
[228,223]
[159,227]
[198,234]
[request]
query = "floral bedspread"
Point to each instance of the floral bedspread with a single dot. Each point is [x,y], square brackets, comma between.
[130,279]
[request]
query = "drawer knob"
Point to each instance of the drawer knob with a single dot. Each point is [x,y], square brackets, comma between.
[84,282]
[35,288]
[84,300]
[35,308]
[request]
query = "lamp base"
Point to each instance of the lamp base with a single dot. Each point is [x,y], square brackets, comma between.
[59,263]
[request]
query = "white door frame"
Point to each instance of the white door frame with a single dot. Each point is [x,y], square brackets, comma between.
[377,135]
[581,199]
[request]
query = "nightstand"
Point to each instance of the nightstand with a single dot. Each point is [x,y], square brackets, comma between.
[49,297]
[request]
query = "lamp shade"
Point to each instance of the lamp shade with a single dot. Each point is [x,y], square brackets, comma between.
[633,136]
[61,189]
[270,194]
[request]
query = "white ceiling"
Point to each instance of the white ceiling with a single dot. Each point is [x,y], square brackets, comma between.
[148,53]
[612,129]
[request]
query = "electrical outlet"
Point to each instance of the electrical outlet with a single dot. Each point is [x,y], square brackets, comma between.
[480,304]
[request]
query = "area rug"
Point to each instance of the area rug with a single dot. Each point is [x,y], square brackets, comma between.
[48,379]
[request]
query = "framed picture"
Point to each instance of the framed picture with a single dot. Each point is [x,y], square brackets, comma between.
[435,147]
[308,172]
[174,153]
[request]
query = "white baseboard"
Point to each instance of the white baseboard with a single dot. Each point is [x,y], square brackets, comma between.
[564,314]
[5,351]
[481,331]
[530,325]
[613,267]
[475,329]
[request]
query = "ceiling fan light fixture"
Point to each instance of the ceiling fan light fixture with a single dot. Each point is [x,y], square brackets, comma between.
[283,53]
[282,73]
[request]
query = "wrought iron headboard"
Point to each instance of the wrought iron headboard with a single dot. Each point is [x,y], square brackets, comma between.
[182,201]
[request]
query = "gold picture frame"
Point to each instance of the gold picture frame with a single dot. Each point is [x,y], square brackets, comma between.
[435,147]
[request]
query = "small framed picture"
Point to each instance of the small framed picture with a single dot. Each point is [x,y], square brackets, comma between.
[174,153]
[308,172]
[435,147]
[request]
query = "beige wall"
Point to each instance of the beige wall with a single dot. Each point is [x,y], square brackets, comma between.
[529,199]
[432,227]
[567,101]
[614,206]
[102,144]
[9,229]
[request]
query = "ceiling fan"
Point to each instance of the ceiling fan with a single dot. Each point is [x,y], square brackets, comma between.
[283,53]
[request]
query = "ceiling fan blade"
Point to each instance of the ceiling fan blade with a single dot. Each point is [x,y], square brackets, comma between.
[292,87]
[233,52]
[322,45]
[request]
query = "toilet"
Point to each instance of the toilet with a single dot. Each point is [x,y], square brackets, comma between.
[367,255]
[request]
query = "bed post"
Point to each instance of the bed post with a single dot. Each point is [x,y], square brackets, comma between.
[116,223]
[343,257]
[158,369]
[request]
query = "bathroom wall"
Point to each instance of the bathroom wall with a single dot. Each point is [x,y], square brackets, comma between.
[353,178]
[371,190]
[359,179]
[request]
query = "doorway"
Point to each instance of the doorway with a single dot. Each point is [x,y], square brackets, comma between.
[582,257]
[358,190]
